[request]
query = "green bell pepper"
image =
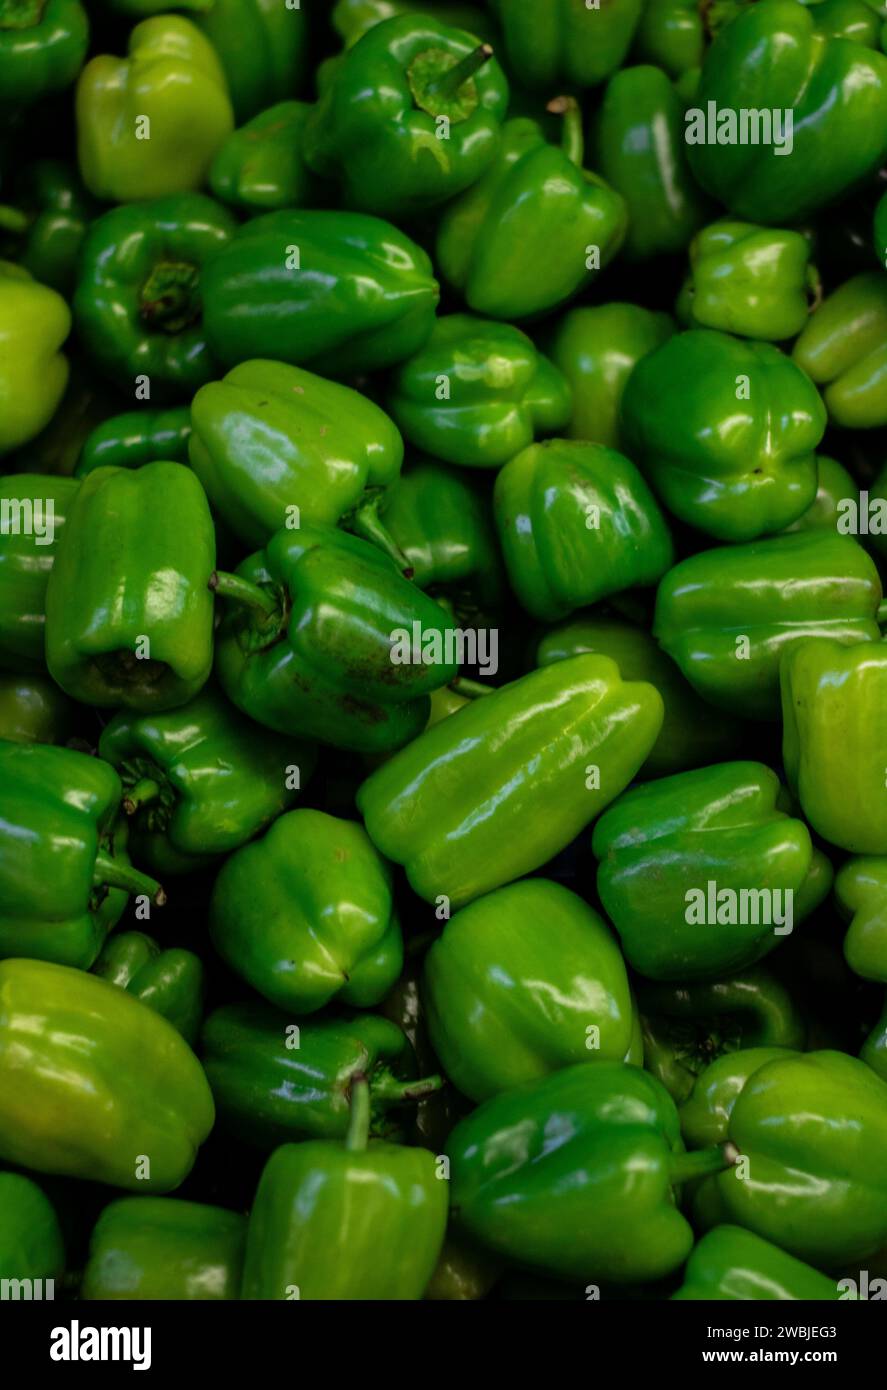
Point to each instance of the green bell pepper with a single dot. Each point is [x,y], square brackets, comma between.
[726,431]
[337,292]
[754,281]
[273,445]
[31,1242]
[34,710]
[135,438]
[834,711]
[169,981]
[855,20]
[453,806]
[577,523]
[861,893]
[693,905]
[575,1175]
[158,1248]
[93,1084]
[53,211]
[352,18]
[34,322]
[535,228]
[325,639]
[55,450]
[705,1114]
[844,349]
[138,635]
[42,47]
[727,615]
[566,42]
[149,124]
[409,117]
[874,1049]
[263,48]
[772,60]
[325,1211]
[138,302]
[597,349]
[732,1264]
[64,871]
[261,167]
[274,1081]
[477,393]
[489,1023]
[834,486]
[34,511]
[672,35]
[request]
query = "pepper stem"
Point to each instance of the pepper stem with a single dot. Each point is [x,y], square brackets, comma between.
[392,1091]
[111,873]
[359,1123]
[572,139]
[702,1163]
[448,84]
[366,522]
[471,690]
[238,590]
[142,793]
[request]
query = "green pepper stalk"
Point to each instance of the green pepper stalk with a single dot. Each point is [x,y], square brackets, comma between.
[111,873]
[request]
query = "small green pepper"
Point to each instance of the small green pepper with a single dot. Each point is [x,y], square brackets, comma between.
[861,894]
[844,349]
[135,438]
[754,281]
[155,1248]
[34,710]
[170,982]
[261,167]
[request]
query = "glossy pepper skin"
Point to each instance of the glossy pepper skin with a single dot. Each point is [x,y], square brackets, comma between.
[160,1248]
[672,35]
[834,711]
[861,895]
[655,846]
[772,58]
[725,431]
[93,1084]
[272,442]
[140,637]
[305,915]
[261,166]
[492,1023]
[34,710]
[173,78]
[844,349]
[811,1188]
[533,230]
[324,1211]
[63,867]
[756,282]
[309,645]
[597,349]
[477,393]
[598,1203]
[55,211]
[577,523]
[337,292]
[138,302]
[640,151]
[834,485]
[732,1264]
[378,130]
[727,615]
[705,1114]
[36,509]
[352,18]
[34,323]
[135,438]
[31,1242]
[566,43]
[275,1081]
[42,47]
[262,46]
[168,981]
[450,806]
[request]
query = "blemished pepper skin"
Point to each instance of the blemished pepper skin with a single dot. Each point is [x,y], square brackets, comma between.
[693,734]
[262,47]
[261,167]
[135,438]
[271,437]
[325,1211]
[308,647]
[656,846]
[34,323]
[169,981]
[772,58]
[565,42]
[477,393]
[140,637]
[732,1264]
[275,1081]
[535,228]
[64,871]
[598,1203]
[172,78]
[577,523]
[377,128]
[34,710]
[671,34]
[597,349]
[55,210]
[335,292]
[861,895]
[306,915]
[491,1022]
[138,302]
[161,1248]
[93,1083]
[31,1242]
[639,149]
[37,508]
[352,18]
[727,615]
[834,711]
[844,350]
[42,47]
[449,807]
[834,485]
[808,1127]
[756,282]
[725,431]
